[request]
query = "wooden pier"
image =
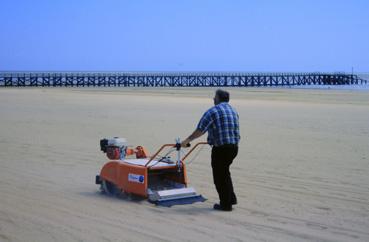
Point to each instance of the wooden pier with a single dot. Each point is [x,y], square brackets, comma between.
[173,79]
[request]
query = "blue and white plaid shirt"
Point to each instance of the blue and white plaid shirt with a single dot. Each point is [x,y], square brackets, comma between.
[221,123]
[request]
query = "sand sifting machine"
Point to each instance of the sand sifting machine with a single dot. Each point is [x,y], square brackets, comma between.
[160,179]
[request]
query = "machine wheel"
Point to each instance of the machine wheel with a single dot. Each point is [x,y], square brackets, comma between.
[109,188]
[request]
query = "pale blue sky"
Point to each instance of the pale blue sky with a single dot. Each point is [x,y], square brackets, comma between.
[96,35]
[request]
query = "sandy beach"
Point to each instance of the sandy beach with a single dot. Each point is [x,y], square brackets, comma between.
[301,173]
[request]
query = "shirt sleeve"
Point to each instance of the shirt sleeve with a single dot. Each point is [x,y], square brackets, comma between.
[205,122]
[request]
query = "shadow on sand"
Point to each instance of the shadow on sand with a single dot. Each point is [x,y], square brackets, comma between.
[189,209]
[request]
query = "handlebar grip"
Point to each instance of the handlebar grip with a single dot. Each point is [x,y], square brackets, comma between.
[178,146]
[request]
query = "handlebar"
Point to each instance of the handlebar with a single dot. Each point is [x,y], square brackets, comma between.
[188,153]
[178,146]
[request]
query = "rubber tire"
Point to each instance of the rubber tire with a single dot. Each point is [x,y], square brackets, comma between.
[109,188]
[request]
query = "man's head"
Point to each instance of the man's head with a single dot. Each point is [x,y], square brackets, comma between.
[221,96]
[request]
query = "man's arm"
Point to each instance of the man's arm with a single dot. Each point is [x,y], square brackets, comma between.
[201,129]
[196,134]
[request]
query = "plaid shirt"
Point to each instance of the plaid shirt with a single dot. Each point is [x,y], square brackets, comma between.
[221,123]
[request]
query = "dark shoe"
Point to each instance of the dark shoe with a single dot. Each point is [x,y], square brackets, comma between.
[234,199]
[218,207]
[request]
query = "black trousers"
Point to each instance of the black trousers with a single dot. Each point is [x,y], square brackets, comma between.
[221,159]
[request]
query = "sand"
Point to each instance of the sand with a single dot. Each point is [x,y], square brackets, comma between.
[301,173]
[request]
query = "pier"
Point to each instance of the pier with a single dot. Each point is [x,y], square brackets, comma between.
[173,79]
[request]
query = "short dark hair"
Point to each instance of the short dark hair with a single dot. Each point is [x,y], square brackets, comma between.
[222,95]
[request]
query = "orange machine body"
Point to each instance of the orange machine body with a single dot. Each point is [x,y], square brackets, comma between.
[135,179]
[135,176]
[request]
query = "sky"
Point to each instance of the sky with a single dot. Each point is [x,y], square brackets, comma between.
[191,35]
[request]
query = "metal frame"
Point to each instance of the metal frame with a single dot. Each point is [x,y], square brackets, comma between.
[169,79]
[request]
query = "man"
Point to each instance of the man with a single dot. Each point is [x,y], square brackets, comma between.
[221,123]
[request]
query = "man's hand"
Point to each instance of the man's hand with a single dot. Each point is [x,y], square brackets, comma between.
[197,133]
[185,143]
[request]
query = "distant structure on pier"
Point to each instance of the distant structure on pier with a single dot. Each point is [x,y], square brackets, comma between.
[173,79]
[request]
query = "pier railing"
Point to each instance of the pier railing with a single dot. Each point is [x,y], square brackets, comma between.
[173,79]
